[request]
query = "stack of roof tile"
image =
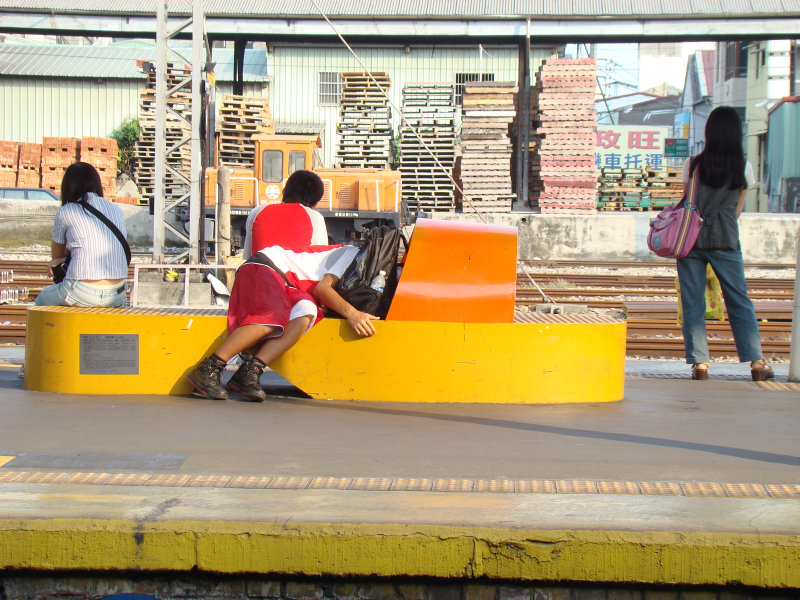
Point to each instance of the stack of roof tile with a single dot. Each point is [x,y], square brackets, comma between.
[239,118]
[365,128]
[488,110]
[563,170]
[427,146]
[176,130]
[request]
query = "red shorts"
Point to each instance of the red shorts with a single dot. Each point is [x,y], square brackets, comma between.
[261,297]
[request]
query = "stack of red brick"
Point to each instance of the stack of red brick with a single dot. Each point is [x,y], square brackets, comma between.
[42,165]
[101,153]
[29,165]
[57,154]
[9,153]
[563,171]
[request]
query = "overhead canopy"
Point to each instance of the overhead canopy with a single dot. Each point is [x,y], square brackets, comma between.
[413,20]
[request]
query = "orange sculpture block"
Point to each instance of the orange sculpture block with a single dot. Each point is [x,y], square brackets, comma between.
[458,272]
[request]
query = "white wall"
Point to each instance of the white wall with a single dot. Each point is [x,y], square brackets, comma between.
[294,91]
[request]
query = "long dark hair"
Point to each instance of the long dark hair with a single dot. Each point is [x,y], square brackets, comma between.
[79,179]
[722,159]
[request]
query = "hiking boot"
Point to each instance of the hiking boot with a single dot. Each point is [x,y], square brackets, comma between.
[206,379]
[247,380]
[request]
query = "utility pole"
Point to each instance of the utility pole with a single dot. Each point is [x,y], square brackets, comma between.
[794,348]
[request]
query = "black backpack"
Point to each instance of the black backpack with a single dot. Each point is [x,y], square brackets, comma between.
[378,252]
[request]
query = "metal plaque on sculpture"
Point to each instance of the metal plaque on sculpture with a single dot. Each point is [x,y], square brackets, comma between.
[109,354]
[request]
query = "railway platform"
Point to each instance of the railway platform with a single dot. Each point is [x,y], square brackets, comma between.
[682,483]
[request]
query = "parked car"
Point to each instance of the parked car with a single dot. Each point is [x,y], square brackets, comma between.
[15,193]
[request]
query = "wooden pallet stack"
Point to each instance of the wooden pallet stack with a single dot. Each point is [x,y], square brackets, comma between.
[9,155]
[365,127]
[429,110]
[664,185]
[622,189]
[488,110]
[57,154]
[563,170]
[101,153]
[239,118]
[29,165]
[176,129]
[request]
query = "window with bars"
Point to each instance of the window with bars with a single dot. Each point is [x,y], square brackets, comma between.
[462,78]
[330,88]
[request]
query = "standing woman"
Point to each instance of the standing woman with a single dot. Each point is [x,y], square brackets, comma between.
[98,265]
[724,179]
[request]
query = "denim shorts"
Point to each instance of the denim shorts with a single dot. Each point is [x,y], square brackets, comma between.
[72,292]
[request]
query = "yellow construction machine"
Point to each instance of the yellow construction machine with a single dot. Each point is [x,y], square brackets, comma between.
[354,198]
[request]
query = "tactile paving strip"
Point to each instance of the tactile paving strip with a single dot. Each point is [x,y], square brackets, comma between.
[416,484]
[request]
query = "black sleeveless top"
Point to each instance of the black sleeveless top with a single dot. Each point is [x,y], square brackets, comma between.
[720,227]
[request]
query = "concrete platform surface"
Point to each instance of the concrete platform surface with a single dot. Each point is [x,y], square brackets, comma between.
[704,476]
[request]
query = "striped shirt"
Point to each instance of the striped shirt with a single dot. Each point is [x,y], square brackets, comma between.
[96,251]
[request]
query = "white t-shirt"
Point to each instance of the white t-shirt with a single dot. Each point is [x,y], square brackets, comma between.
[749,175]
[96,252]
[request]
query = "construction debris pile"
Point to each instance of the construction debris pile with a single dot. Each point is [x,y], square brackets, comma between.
[365,127]
[428,147]
[563,172]
[485,171]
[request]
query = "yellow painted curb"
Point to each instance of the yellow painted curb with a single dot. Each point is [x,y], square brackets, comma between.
[361,550]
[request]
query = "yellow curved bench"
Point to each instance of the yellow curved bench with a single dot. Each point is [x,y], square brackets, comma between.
[449,337]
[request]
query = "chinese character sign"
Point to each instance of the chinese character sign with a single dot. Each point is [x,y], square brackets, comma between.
[630,146]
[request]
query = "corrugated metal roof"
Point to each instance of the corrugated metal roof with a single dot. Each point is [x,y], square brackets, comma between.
[112,62]
[544,9]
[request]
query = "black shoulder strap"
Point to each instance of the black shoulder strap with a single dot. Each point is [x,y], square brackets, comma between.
[260,258]
[111,226]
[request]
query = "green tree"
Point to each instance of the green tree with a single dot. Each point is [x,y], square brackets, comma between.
[126,135]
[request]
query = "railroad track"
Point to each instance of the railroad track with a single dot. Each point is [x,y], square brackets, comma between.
[649,302]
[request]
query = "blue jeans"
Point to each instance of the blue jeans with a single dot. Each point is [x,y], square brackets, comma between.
[72,292]
[729,267]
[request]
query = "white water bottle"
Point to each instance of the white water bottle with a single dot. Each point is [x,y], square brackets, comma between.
[379,282]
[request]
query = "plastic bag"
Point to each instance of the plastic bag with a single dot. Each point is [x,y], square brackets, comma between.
[715,309]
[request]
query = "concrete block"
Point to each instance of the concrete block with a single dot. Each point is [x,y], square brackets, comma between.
[561,309]
[302,591]
[588,594]
[480,592]
[152,291]
[511,592]
[623,594]
[552,593]
[263,589]
[661,595]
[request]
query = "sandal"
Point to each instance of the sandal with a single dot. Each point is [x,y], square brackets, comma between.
[700,371]
[762,373]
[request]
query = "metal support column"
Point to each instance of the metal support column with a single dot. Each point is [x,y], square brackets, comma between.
[174,192]
[523,122]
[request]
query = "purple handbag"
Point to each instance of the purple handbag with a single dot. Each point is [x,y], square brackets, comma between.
[674,231]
